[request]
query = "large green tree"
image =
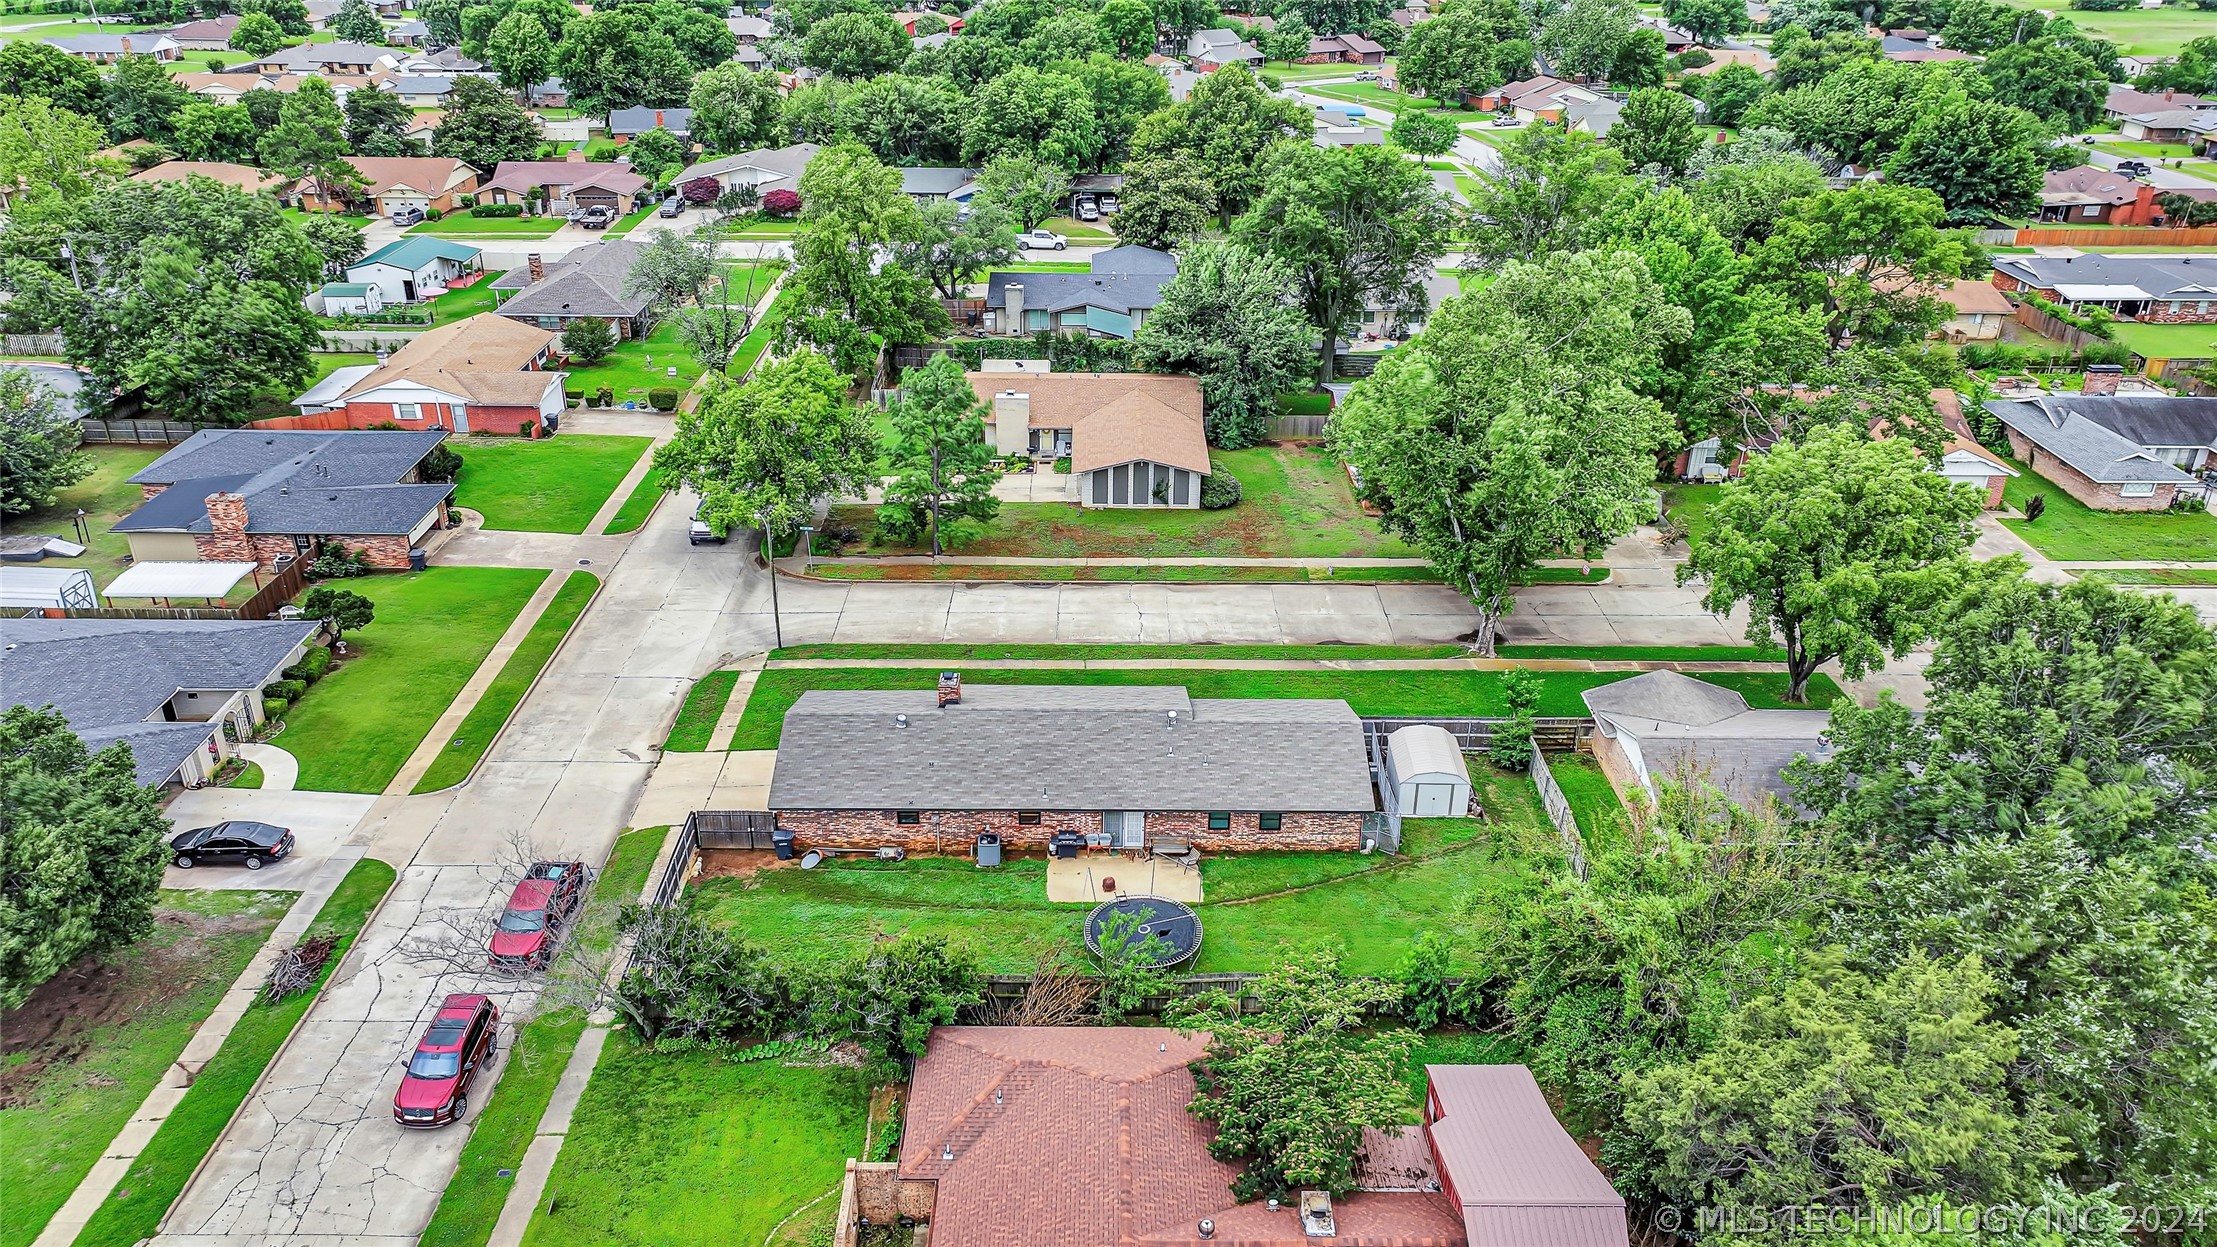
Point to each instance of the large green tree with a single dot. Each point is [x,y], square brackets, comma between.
[46,150]
[1031,190]
[521,51]
[1658,128]
[905,120]
[142,101]
[1234,319]
[1982,158]
[840,295]
[81,850]
[1452,56]
[38,444]
[1359,226]
[1129,26]
[1030,112]
[309,141]
[734,108]
[2050,80]
[1224,126]
[942,465]
[1829,251]
[257,35]
[484,125]
[1509,429]
[625,57]
[855,45]
[1167,202]
[762,453]
[357,22]
[954,248]
[375,123]
[28,67]
[1585,37]
[1290,1086]
[1554,191]
[1842,548]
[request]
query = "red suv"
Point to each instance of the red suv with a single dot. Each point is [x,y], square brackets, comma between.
[542,904]
[461,1041]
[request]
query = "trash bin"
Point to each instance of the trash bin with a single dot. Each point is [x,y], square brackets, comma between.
[781,842]
[989,849]
[552,422]
[418,560]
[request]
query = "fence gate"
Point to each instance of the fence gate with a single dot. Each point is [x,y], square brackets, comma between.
[731,829]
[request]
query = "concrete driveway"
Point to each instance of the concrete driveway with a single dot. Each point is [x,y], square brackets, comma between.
[320,822]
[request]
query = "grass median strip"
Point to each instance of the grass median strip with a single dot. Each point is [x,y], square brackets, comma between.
[485,719]
[1117,575]
[1648,653]
[134,1211]
[1140,653]
[1415,693]
[635,510]
[470,1206]
[696,719]
[2155,575]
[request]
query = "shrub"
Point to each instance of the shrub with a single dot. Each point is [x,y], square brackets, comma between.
[433,214]
[1511,748]
[284,690]
[781,202]
[274,708]
[588,339]
[496,210]
[465,201]
[2035,507]
[441,466]
[663,398]
[311,667]
[523,428]
[1427,999]
[1062,465]
[1219,491]
[606,395]
[1695,58]
[335,562]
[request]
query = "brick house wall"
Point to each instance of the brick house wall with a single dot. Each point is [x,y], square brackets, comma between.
[2161,313]
[503,420]
[2075,483]
[229,542]
[953,831]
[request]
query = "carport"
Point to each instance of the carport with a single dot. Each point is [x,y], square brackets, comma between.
[164,582]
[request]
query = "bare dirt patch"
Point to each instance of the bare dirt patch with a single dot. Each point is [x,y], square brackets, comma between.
[63,1017]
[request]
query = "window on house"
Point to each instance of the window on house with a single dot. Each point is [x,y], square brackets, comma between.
[2176,304]
[908,818]
[1269,822]
[2137,489]
[2091,210]
[407,411]
[1220,821]
[1027,818]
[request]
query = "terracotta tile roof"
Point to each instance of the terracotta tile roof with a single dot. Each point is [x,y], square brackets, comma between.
[1115,417]
[484,357]
[1089,1144]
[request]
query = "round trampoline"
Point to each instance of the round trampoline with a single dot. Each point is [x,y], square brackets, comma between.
[1166,932]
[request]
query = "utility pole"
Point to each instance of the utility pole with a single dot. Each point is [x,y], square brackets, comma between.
[769,558]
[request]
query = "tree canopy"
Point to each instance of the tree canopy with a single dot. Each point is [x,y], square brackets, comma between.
[762,452]
[1232,318]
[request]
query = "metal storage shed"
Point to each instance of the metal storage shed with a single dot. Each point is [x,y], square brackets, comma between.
[57,588]
[1430,778]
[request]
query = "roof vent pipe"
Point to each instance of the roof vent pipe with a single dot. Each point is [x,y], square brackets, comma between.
[1208,1228]
[900,720]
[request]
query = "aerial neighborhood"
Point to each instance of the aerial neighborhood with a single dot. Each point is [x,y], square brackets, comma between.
[1107,623]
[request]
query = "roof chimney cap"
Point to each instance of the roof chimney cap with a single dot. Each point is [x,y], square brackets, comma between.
[1208,1228]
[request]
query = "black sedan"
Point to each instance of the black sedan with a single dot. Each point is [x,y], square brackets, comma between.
[253,845]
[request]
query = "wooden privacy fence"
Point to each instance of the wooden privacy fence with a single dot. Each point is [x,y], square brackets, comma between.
[279,589]
[1288,425]
[674,871]
[710,829]
[1475,735]
[2040,322]
[1559,811]
[2123,236]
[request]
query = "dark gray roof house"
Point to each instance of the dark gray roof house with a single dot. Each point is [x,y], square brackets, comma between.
[1055,747]
[628,122]
[1122,286]
[939,183]
[2113,440]
[593,280]
[1652,725]
[165,686]
[339,484]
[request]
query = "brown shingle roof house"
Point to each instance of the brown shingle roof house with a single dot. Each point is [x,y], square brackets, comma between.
[1079,1137]
[1134,439]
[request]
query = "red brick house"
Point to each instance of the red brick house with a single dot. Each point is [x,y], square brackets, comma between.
[484,373]
[2113,452]
[2088,195]
[256,496]
[1080,1137]
[1347,49]
[1069,768]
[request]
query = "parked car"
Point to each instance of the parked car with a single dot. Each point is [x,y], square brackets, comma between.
[700,534]
[250,844]
[1368,75]
[1044,239]
[671,206]
[408,216]
[1088,208]
[2133,168]
[598,218]
[462,1038]
[1504,120]
[1108,204]
[543,903]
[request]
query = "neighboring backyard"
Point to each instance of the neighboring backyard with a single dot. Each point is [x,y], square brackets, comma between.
[1296,503]
[84,1051]
[2072,531]
[2167,341]
[107,495]
[1450,693]
[638,365]
[2138,32]
[553,485]
[354,730]
[1369,905]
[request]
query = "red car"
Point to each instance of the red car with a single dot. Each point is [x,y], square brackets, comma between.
[542,904]
[461,1041]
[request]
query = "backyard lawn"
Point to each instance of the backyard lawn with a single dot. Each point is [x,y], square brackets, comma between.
[490,714]
[2167,341]
[639,365]
[554,485]
[133,1212]
[1593,800]
[2137,32]
[355,729]
[85,1050]
[2072,531]
[328,362]
[1689,505]
[1452,693]
[107,495]
[693,1147]
[1253,903]
[1296,504]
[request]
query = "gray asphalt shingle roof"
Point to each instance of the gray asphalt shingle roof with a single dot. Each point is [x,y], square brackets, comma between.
[1673,719]
[2057,426]
[104,672]
[2155,276]
[157,749]
[590,281]
[1069,747]
[1122,279]
[678,121]
[366,457]
[335,484]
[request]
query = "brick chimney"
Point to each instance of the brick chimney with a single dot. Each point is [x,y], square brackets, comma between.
[227,541]
[658,118]
[538,266]
[2102,379]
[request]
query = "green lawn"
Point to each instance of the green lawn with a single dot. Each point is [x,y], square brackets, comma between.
[639,365]
[1392,101]
[66,1095]
[1142,653]
[636,508]
[134,1211]
[65,28]
[1296,503]
[328,362]
[355,729]
[463,225]
[1316,404]
[2159,576]
[625,224]
[757,340]
[106,495]
[2137,147]
[694,1148]
[465,302]
[1447,693]
[1689,505]
[2071,530]
[1125,575]
[1650,653]
[1448,871]
[553,485]
[2167,341]
[491,712]
[470,1205]
[300,217]
[2137,32]
[1593,800]
[1079,231]
[696,719]
[249,776]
